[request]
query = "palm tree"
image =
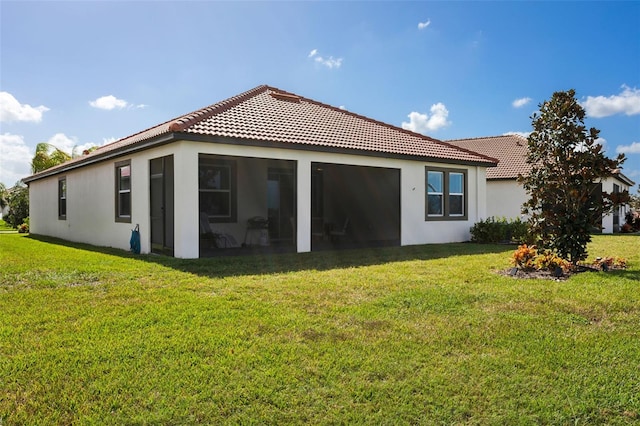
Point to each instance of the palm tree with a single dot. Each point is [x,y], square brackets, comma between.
[4,196]
[47,156]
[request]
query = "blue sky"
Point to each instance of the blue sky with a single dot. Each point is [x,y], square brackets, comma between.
[82,73]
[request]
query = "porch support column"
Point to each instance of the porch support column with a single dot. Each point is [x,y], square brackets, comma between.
[186,233]
[303,222]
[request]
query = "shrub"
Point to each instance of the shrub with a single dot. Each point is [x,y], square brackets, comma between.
[632,222]
[519,231]
[23,229]
[492,230]
[487,231]
[606,263]
[524,257]
[548,260]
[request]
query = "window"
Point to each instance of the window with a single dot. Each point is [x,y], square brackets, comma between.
[456,194]
[445,198]
[62,198]
[123,191]
[216,184]
[616,210]
[435,191]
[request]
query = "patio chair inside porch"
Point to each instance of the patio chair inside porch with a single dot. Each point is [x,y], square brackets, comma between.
[213,239]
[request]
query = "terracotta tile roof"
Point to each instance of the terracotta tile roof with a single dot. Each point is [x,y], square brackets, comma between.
[510,150]
[272,117]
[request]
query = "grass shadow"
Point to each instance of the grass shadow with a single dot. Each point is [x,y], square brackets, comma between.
[632,275]
[255,264]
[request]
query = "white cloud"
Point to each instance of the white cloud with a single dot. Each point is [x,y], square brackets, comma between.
[15,159]
[627,102]
[634,148]
[62,142]
[519,103]
[523,134]
[601,141]
[12,110]
[329,62]
[581,147]
[16,155]
[71,146]
[423,25]
[422,123]
[109,102]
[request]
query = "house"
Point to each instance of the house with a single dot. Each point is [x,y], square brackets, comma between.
[505,196]
[263,168]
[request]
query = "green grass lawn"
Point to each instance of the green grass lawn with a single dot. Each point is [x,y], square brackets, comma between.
[412,335]
[4,227]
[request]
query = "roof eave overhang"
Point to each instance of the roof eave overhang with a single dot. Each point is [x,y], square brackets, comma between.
[622,178]
[178,136]
[513,178]
[100,157]
[328,149]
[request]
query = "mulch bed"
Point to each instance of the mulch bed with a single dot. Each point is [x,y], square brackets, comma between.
[549,275]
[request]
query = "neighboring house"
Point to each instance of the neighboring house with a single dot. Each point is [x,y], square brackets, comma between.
[306,167]
[618,182]
[505,196]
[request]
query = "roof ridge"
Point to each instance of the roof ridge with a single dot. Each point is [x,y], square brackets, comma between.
[487,137]
[176,127]
[391,126]
[175,124]
[130,136]
[474,152]
[181,123]
[369,119]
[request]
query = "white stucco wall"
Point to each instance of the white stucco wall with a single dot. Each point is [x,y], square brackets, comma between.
[91,203]
[607,220]
[90,207]
[505,198]
[415,229]
[90,198]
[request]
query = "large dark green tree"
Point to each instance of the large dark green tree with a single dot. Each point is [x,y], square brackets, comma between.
[567,162]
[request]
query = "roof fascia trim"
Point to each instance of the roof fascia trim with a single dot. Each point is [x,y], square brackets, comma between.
[319,148]
[177,136]
[130,149]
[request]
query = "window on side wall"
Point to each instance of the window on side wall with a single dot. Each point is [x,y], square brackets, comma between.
[62,198]
[446,194]
[123,191]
